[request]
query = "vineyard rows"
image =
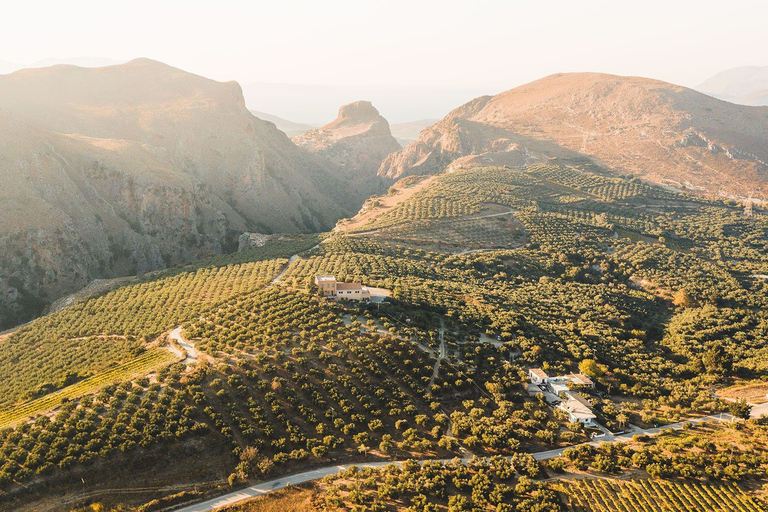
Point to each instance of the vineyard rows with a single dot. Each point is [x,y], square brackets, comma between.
[600,495]
[147,362]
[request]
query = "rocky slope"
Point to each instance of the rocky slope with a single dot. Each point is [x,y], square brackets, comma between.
[130,168]
[356,143]
[655,130]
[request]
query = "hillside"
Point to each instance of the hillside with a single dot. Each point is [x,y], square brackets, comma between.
[658,131]
[356,143]
[746,85]
[131,168]
[658,296]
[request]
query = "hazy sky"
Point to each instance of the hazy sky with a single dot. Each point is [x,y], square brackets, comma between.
[476,44]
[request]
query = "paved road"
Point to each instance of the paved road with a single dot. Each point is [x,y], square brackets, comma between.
[308,476]
[632,431]
[273,485]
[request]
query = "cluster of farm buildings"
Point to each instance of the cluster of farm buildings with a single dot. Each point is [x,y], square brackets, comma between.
[330,288]
[558,391]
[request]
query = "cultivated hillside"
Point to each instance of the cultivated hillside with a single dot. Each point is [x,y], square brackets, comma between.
[655,130]
[195,381]
[355,143]
[134,167]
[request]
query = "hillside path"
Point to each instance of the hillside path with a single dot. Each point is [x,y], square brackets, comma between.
[443,352]
[188,347]
[293,258]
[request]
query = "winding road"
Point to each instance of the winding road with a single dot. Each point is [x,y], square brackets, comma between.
[280,483]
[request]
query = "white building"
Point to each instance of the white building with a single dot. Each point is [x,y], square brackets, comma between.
[538,376]
[578,408]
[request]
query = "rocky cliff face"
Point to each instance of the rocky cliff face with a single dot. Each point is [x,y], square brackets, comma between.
[652,129]
[131,168]
[355,144]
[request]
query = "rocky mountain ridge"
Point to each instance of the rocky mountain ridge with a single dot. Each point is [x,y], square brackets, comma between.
[355,143]
[130,168]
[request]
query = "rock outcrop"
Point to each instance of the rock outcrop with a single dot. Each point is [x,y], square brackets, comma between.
[355,144]
[652,129]
[252,240]
[131,168]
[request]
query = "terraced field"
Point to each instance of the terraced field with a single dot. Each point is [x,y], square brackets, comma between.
[463,234]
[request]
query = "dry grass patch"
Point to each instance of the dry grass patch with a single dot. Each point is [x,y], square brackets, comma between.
[754,393]
[292,499]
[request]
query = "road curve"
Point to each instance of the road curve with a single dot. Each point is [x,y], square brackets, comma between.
[280,483]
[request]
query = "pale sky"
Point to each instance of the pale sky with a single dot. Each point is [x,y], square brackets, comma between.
[475,44]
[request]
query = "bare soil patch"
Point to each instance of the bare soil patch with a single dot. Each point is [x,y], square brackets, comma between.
[753,393]
[377,206]
[292,499]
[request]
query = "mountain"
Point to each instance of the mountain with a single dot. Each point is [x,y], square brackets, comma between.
[746,85]
[647,128]
[356,143]
[405,133]
[289,128]
[122,169]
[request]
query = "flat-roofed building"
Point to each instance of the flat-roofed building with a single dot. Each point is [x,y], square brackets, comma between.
[538,376]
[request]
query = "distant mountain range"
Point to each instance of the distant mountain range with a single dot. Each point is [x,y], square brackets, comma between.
[658,131]
[745,85]
[355,143]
